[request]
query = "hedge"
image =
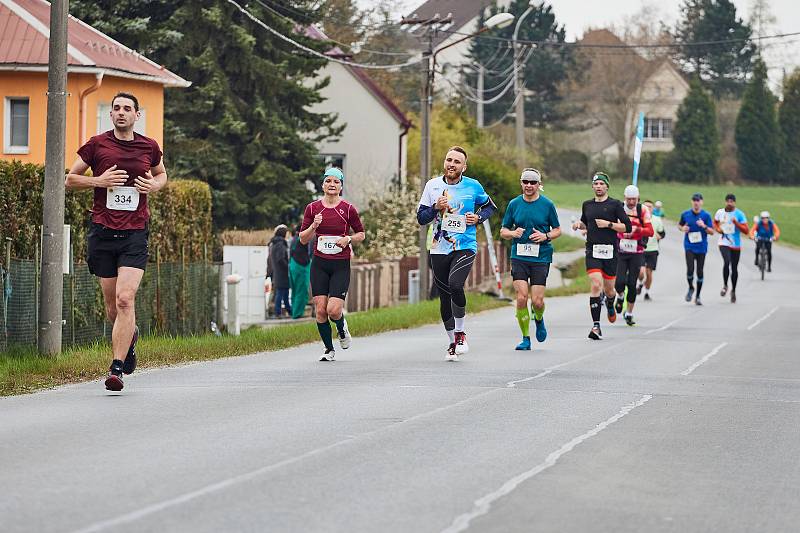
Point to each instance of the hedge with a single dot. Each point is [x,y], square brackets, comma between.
[181,214]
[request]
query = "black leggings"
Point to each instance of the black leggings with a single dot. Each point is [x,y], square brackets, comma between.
[730,265]
[628,267]
[449,274]
[768,246]
[691,259]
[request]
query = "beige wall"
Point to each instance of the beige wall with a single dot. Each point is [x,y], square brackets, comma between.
[34,86]
[370,140]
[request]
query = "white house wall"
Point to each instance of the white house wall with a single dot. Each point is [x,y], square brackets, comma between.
[370,140]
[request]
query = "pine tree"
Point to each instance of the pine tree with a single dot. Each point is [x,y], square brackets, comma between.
[545,68]
[723,67]
[244,125]
[757,133]
[789,120]
[696,138]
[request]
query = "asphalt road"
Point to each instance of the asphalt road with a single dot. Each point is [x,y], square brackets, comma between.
[689,421]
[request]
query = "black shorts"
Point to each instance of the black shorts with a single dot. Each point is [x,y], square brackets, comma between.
[330,277]
[607,267]
[651,259]
[109,249]
[533,273]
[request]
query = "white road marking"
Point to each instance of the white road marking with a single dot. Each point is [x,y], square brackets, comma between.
[253,474]
[662,328]
[705,358]
[484,504]
[762,319]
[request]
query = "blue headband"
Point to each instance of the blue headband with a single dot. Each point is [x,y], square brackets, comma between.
[335,172]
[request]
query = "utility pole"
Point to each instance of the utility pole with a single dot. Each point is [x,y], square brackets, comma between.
[426,105]
[519,97]
[481,74]
[53,204]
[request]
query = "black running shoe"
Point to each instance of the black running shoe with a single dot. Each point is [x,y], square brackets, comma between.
[618,304]
[629,319]
[130,360]
[114,379]
[697,301]
[689,294]
[639,289]
[595,333]
[647,296]
[723,291]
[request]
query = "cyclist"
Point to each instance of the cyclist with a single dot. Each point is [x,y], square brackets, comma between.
[730,223]
[764,232]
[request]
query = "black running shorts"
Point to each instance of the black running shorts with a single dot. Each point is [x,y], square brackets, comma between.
[533,273]
[330,277]
[109,249]
[651,259]
[607,267]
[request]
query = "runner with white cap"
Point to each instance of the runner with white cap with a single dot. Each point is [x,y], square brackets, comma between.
[631,246]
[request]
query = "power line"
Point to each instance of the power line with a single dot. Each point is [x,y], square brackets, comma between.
[313,52]
[376,52]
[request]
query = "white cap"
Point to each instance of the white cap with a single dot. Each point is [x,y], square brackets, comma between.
[531,174]
[631,191]
[659,204]
[764,214]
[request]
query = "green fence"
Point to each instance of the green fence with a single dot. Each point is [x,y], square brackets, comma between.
[173,298]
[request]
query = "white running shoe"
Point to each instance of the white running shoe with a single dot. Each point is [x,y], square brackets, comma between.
[344,337]
[461,343]
[451,353]
[329,355]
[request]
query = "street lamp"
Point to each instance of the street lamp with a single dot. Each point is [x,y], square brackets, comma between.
[500,20]
[519,98]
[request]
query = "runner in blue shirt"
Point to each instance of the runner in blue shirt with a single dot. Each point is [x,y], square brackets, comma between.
[696,223]
[455,204]
[532,222]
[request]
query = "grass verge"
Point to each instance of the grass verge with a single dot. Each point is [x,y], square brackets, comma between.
[568,243]
[576,272]
[783,203]
[22,370]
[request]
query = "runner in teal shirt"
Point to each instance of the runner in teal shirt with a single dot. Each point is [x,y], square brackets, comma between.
[531,222]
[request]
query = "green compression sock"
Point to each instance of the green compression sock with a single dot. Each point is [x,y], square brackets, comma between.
[524,320]
[538,313]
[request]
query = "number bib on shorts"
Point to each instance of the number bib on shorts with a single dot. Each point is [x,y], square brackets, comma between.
[454,223]
[122,198]
[527,250]
[727,228]
[603,251]
[628,246]
[695,237]
[326,244]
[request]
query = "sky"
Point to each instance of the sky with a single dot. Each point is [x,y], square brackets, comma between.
[579,15]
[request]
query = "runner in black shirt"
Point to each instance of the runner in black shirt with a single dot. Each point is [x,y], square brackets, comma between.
[602,218]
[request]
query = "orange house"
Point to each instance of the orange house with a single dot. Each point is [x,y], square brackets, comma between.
[98,67]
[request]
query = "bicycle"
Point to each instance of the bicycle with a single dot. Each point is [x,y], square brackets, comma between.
[762,258]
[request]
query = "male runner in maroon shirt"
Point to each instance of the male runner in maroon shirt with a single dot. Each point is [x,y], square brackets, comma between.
[126,167]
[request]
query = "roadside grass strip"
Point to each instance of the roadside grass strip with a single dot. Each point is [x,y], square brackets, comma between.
[23,370]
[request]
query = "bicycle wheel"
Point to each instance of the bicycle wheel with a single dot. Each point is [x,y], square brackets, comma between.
[762,262]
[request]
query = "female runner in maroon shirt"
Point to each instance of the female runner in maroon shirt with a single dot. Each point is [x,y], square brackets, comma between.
[330,220]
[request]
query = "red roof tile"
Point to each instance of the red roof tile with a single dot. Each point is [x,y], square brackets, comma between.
[24,42]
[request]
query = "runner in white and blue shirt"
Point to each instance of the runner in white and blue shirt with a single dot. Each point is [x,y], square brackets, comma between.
[730,222]
[455,204]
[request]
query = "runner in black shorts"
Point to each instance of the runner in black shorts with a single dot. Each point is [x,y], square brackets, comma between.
[602,218]
[532,222]
[331,219]
[126,167]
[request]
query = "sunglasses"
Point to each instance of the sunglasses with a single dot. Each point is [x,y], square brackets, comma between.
[529,182]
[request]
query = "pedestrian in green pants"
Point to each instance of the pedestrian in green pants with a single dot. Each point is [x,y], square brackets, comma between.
[299,274]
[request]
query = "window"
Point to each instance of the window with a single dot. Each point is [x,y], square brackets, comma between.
[334,160]
[104,119]
[16,126]
[657,128]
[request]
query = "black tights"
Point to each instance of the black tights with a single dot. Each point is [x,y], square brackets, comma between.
[730,266]
[628,267]
[449,275]
[700,260]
